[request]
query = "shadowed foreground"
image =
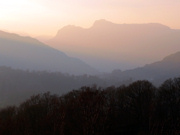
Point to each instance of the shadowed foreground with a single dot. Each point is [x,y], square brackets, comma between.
[139,108]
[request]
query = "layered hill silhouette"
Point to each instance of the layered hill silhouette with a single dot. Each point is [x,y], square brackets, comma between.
[109,46]
[17,85]
[156,72]
[29,54]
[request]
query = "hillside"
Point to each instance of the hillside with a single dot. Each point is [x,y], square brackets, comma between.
[17,85]
[156,72]
[29,54]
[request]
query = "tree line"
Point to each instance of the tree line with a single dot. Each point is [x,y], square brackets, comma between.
[137,109]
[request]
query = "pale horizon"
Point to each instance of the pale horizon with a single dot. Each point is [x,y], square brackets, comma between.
[45,18]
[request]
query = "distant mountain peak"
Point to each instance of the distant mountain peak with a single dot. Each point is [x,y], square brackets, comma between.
[102,22]
[69,29]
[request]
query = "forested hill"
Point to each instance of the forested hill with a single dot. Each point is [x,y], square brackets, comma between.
[17,85]
[136,109]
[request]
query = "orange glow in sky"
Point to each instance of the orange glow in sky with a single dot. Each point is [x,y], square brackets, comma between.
[46,17]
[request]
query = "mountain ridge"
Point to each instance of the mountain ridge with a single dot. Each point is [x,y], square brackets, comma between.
[122,46]
[29,53]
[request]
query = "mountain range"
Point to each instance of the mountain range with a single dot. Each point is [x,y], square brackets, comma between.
[30,54]
[27,53]
[108,46]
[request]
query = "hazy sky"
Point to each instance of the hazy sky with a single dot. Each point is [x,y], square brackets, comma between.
[45,17]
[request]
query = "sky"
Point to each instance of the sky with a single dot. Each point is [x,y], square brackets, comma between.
[46,17]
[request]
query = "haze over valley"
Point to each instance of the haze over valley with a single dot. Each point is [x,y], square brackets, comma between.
[105,54]
[28,66]
[106,67]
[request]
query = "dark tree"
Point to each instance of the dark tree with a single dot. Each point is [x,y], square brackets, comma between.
[168,107]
